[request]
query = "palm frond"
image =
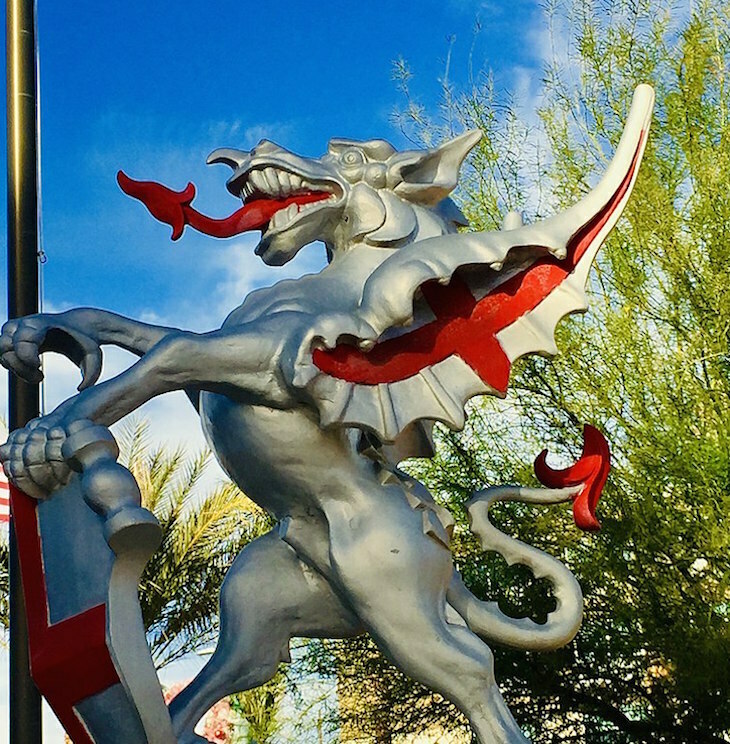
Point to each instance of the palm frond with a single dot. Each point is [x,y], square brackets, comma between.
[202,533]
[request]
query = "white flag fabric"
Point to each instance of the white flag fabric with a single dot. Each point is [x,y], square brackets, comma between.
[4,501]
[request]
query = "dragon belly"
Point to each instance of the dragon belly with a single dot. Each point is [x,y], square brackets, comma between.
[280,458]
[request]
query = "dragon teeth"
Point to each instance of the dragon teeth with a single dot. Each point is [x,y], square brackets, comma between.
[277,184]
[258,182]
[272,181]
[284,216]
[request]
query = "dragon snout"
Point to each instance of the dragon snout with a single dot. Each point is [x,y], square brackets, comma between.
[237,159]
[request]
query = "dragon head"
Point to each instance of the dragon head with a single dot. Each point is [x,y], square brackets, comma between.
[358,192]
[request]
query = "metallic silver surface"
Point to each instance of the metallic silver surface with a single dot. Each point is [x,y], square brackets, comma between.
[95,540]
[360,546]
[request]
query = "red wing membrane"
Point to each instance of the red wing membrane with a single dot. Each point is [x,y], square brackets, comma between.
[464,326]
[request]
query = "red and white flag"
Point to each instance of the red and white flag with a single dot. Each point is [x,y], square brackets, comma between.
[4,499]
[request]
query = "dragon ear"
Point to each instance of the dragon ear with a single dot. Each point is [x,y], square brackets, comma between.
[428,176]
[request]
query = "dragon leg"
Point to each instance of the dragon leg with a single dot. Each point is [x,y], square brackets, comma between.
[395,577]
[268,597]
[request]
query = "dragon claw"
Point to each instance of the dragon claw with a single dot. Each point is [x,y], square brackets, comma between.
[33,457]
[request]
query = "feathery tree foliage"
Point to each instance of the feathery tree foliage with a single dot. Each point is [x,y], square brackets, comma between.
[201,536]
[649,365]
[259,711]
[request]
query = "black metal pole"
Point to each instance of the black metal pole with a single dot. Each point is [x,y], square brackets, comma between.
[25,702]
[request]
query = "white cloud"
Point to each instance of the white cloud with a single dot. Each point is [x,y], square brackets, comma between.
[242,271]
[235,134]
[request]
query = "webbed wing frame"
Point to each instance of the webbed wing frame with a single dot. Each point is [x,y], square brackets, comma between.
[532,276]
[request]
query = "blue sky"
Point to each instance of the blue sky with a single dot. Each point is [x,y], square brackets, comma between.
[152,88]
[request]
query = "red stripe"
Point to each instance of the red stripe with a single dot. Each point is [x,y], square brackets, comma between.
[4,510]
[463,326]
[69,660]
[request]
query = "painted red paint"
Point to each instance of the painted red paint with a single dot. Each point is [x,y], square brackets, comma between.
[69,660]
[463,326]
[174,209]
[591,471]
[4,500]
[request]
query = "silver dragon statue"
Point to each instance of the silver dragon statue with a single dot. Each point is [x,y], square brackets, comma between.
[310,394]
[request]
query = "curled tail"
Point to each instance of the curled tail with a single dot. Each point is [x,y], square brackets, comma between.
[485,618]
[582,483]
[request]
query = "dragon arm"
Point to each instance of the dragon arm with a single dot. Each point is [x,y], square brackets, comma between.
[105,327]
[77,334]
[241,362]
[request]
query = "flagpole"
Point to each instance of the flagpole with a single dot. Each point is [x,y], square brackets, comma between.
[24,401]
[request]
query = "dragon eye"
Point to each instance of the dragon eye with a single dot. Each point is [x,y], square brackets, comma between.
[352,157]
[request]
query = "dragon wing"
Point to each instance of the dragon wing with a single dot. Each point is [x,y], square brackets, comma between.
[443,319]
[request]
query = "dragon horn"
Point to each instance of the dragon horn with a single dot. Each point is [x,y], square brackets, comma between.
[230,157]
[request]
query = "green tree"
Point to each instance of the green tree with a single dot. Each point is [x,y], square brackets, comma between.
[259,711]
[649,365]
[202,534]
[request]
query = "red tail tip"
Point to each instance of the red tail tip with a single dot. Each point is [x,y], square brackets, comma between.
[590,471]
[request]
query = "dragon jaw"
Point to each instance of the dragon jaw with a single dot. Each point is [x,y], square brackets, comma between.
[358,192]
[309,197]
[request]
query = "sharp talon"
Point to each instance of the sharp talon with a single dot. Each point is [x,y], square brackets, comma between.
[90,369]
[27,352]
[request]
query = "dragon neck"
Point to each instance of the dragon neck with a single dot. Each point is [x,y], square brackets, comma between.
[428,224]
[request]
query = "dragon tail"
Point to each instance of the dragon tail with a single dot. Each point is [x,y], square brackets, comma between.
[582,483]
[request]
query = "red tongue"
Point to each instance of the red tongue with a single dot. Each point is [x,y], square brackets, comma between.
[256,214]
[174,209]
